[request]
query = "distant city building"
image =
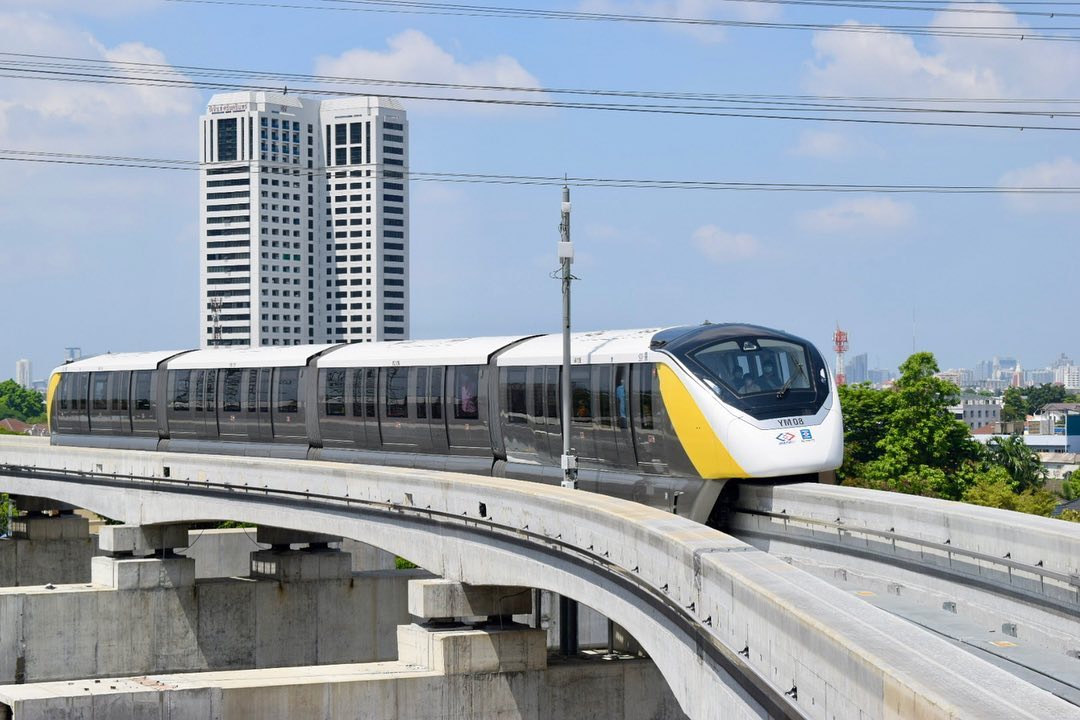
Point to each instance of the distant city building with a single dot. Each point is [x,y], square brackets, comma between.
[1068,375]
[1061,361]
[983,370]
[23,374]
[977,411]
[856,369]
[879,376]
[1039,377]
[304,231]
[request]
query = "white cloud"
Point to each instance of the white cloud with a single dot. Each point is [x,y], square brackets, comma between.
[413,56]
[869,214]
[689,9]
[86,117]
[1063,172]
[862,63]
[833,146]
[724,247]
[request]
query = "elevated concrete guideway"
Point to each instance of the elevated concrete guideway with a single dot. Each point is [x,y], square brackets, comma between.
[735,632]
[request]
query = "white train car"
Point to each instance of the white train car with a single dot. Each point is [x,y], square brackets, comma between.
[661,416]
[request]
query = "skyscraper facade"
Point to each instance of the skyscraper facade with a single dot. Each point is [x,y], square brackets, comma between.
[23,373]
[304,220]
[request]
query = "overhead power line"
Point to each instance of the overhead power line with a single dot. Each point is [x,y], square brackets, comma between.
[35,156]
[1038,114]
[1048,33]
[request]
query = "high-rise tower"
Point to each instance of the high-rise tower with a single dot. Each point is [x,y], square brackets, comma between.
[304,220]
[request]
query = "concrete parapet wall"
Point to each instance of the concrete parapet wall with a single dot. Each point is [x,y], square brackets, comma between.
[93,631]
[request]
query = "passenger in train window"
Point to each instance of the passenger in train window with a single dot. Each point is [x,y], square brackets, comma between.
[748,385]
[468,396]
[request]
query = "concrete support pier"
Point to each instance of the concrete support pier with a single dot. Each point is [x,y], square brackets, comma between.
[48,544]
[488,668]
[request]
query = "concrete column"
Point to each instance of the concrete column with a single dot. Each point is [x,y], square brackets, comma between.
[46,549]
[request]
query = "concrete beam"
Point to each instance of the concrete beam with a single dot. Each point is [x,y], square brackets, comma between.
[441,599]
[284,536]
[142,539]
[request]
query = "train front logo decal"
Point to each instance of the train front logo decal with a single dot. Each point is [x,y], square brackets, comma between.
[786,438]
[807,436]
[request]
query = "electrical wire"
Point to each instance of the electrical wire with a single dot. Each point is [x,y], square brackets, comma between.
[84,70]
[549,180]
[397,7]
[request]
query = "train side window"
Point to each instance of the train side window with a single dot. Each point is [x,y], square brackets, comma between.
[581,397]
[369,392]
[358,392]
[288,390]
[116,396]
[465,387]
[231,391]
[124,390]
[101,391]
[144,394]
[82,390]
[538,395]
[253,387]
[602,375]
[335,392]
[436,393]
[397,390]
[66,383]
[552,383]
[197,379]
[264,390]
[211,390]
[181,399]
[421,393]
[515,396]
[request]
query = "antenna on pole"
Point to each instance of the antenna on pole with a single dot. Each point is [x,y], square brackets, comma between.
[840,344]
[566,258]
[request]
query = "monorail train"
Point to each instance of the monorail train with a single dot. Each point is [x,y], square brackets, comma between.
[662,417]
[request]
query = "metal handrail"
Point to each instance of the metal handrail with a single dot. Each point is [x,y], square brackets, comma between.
[1066,578]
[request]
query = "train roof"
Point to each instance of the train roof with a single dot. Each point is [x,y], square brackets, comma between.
[109,362]
[454,351]
[215,358]
[601,346]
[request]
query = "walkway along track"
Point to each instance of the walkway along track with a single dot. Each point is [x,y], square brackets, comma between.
[1005,570]
[736,633]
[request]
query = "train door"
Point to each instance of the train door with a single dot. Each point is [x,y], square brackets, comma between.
[397,416]
[646,408]
[467,394]
[143,403]
[436,414]
[537,414]
[552,402]
[583,410]
[364,401]
[624,438]
[519,439]
[286,406]
[119,401]
[101,422]
[258,405]
[607,450]
[232,422]
[204,403]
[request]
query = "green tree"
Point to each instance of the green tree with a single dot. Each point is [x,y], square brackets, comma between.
[866,414]
[18,402]
[923,439]
[1042,395]
[1070,488]
[1020,462]
[1015,407]
[995,488]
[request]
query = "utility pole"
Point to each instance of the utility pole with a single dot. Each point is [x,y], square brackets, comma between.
[566,258]
[568,608]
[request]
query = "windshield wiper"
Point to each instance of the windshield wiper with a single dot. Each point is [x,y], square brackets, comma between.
[787,386]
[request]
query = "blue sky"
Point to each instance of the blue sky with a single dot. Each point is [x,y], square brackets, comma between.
[107,258]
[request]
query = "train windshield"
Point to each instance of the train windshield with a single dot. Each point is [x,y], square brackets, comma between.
[764,373]
[751,366]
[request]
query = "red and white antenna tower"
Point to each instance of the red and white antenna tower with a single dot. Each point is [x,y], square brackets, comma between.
[840,344]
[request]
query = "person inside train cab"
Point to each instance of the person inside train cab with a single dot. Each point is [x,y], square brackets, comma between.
[748,385]
[770,378]
[468,397]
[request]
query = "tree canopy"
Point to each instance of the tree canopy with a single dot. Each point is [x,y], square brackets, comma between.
[20,403]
